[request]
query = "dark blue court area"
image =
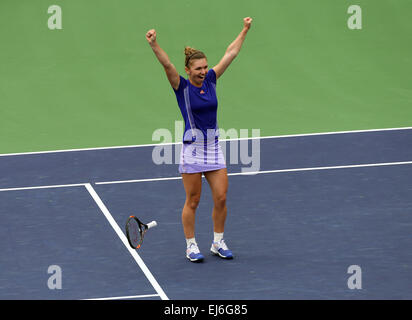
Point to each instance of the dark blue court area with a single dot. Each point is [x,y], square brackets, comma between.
[319,204]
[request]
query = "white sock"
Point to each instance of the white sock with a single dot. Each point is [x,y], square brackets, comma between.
[190,241]
[217,236]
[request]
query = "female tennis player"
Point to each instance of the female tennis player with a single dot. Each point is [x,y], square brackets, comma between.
[201,152]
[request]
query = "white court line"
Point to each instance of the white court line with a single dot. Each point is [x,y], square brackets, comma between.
[45,187]
[117,229]
[272,171]
[229,174]
[139,180]
[325,168]
[173,143]
[122,237]
[126,297]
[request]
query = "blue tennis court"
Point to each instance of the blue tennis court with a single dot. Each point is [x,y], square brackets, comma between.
[318,204]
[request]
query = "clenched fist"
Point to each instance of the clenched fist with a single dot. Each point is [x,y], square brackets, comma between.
[151,36]
[247,22]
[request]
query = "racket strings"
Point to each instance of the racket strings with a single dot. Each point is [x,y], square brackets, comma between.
[135,233]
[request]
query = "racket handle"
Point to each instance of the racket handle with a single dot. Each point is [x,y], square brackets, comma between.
[151,224]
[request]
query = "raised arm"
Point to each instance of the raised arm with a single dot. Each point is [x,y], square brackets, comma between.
[163,58]
[233,49]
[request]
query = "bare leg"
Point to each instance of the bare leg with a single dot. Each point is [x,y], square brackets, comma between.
[218,182]
[193,186]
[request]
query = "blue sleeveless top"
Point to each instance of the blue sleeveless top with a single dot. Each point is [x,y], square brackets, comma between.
[199,108]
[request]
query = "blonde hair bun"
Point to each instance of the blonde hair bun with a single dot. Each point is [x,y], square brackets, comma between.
[189,50]
[192,54]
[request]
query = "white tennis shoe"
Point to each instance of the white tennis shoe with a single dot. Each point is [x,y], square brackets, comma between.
[193,253]
[220,248]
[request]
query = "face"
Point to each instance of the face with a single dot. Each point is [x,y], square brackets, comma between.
[197,70]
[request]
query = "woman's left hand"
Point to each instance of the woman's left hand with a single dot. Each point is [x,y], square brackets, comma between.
[247,22]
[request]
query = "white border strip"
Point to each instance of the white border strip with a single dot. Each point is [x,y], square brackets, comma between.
[126,297]
[173,143]
[229,174]
[122,237]
[272,171]
[323,168]
[45,187]
[138,180]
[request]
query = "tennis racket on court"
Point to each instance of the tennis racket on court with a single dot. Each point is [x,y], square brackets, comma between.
[135,231]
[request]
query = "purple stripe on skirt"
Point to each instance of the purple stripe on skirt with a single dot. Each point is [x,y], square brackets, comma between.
[201,156]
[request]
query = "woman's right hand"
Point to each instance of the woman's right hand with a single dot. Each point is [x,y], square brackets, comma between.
[151,36]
